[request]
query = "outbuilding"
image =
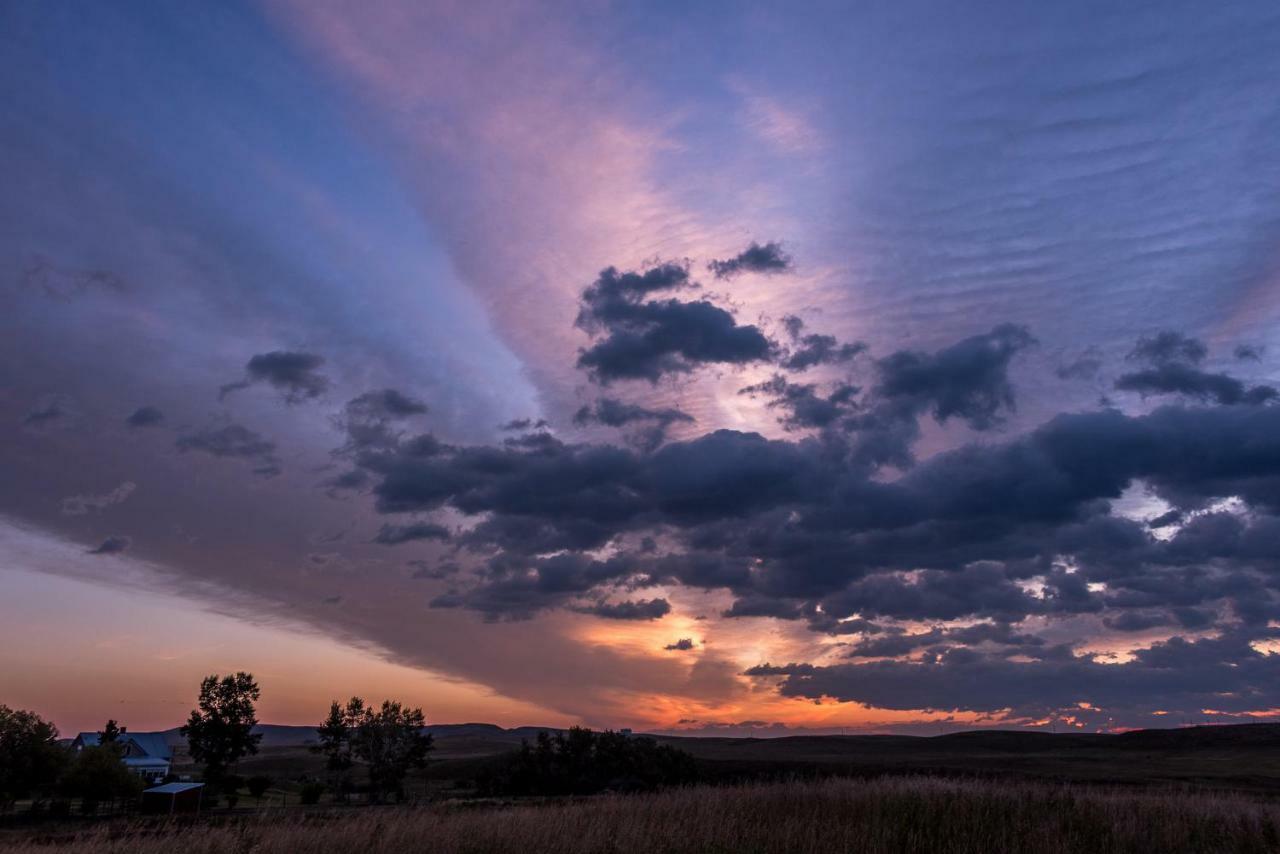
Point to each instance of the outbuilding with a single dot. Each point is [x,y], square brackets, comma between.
[173,798]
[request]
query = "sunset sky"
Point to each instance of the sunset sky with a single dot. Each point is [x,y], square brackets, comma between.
[717,367]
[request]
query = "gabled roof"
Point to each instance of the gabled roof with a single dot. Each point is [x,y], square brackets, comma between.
[149,744]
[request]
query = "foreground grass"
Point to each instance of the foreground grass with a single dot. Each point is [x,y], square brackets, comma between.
[885,815]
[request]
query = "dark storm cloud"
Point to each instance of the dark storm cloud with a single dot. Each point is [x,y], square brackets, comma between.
[682,645]
[977,590]
[809,530]
[803,405]
[768,259]
[899,643]
[809,350]
[371,422]
[642,338]
[112,545]
[615,413]
[1167,347]
[968,380]
[145,416]
[1224,674]
[1171,377]
[763,606]
[435,571]
[1248,353]
[640,609]
[517,425]
[394,535]
[234,441]
[293,373]
[352,479]
[512,587]
[385,403]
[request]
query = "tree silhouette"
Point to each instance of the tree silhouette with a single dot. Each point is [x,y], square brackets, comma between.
[220,731]
[111,732]
[389,741]
[30,757]
[582,762]
[334,734]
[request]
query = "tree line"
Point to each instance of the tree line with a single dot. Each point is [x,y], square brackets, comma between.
[387,743]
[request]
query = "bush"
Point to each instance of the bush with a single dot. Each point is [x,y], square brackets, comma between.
[310,792]
[583,762]
[258,785]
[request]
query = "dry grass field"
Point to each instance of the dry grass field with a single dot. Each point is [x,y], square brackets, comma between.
[889,815]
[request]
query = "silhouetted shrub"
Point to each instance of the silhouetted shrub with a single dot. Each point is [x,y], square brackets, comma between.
[258,785]
[582,762]
[310,792]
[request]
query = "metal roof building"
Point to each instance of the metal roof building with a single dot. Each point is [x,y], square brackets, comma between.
[147,754]
[173,798]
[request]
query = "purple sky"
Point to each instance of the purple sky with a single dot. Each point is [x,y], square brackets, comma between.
[914,364]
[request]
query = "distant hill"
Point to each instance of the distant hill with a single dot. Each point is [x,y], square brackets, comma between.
[285,735]
[1231,736]
[1235,757]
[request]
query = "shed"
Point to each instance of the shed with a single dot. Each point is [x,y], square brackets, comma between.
[173,798]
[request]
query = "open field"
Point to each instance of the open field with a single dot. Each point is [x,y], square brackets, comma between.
[889,814]
[1243,758]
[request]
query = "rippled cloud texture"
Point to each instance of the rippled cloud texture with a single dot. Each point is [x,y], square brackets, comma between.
[725,368]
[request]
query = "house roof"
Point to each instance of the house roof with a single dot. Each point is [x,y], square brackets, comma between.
[173,788]
[151,744]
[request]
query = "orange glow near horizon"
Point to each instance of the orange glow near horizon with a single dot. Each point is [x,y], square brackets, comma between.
[138,657]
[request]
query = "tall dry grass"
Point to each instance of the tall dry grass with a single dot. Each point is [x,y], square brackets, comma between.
[887,815]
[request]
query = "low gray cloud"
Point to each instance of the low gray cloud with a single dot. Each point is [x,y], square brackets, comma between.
[810,349]
[145,416]
[756,258]
[640,609]
[233,441]
[112,545]
[394,535]
[295,374]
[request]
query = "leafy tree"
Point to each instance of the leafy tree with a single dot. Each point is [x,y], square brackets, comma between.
[111,732]
[582,762]
[392,743]
[334,735]
[220,731]
[389,741]
[97,774]
[30,757]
